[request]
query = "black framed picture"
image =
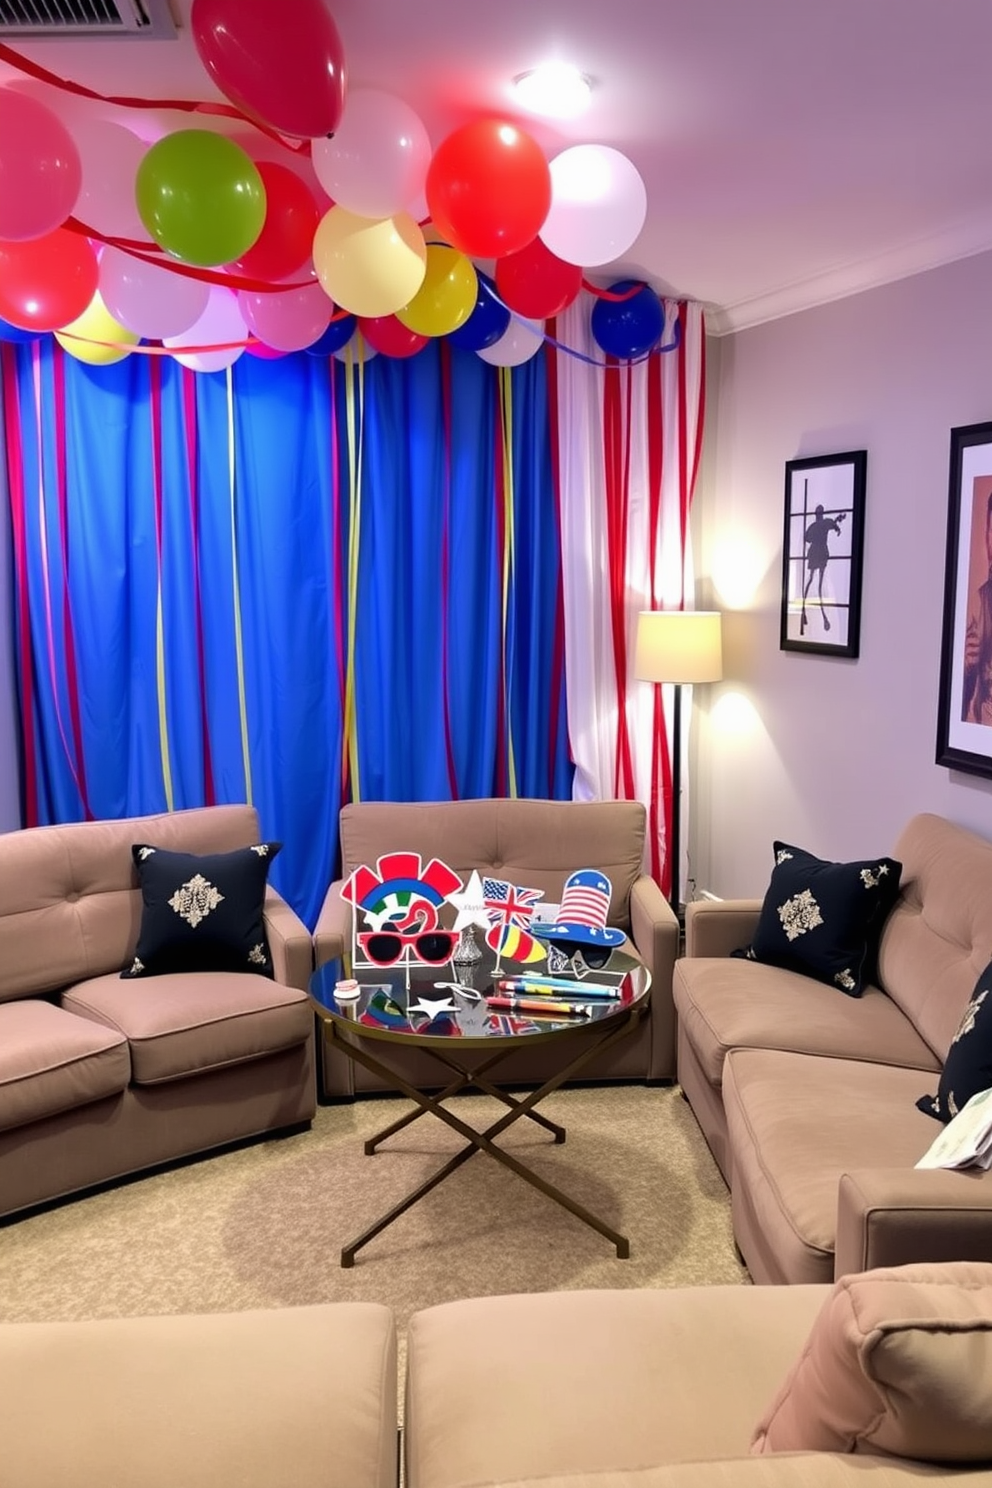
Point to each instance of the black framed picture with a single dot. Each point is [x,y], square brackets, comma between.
[964,714]
[821,553]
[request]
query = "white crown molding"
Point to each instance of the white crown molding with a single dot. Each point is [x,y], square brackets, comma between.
[962,241]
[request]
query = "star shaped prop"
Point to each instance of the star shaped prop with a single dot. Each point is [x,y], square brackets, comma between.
[432,1009]
[470,904]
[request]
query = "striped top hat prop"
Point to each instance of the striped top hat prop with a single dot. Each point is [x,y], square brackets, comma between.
[585,903]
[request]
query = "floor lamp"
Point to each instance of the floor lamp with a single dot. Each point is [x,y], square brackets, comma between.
[678,646]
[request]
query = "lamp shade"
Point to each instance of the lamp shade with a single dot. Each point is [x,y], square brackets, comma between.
[678,646]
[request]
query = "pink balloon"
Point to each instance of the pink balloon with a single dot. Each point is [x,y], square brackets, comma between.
[221,322]
[377,161]
[288,320]
[40,170]
[287,70]
[149,298]
[110,156]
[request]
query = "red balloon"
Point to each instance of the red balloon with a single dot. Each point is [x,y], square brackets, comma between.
[48,281]
[390,336]
[537,283]
[285,69]
[488,189]
[291,217]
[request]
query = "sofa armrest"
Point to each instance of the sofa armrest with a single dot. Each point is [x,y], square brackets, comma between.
[654,929]
[891,1216]
[290,943]
[715,927]
[332,932]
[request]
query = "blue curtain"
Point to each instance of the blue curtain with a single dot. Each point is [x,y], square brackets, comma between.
[288,584]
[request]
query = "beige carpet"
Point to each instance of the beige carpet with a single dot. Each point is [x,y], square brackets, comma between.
[263,1226]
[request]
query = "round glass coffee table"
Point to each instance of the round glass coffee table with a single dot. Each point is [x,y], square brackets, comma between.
[453,1014]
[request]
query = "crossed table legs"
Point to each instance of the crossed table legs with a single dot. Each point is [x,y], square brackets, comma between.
[483,1141]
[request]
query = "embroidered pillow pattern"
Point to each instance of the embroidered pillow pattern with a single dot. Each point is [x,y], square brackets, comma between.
[968,1067]
[822,918]
[202,913]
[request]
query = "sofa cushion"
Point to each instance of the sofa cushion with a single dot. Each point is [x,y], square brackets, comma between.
[823,919]
[968,1067]
[52,1061]
[725,1003]
[73,889]
[898,1361]
[195,1021]
[523,1387]
[202,912]
[795,1124]
[533,842]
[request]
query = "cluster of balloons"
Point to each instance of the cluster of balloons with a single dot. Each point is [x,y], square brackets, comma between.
[330,213]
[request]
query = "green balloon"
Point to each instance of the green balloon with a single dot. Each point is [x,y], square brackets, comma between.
[200,196]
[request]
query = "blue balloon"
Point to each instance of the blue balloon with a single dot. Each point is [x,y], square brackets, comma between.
[338,334]
[628,328]
[15,334]
[488,321]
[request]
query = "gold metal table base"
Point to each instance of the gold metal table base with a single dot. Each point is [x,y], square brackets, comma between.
[481,1141]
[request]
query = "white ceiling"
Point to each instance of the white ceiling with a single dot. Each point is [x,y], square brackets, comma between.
[793,150]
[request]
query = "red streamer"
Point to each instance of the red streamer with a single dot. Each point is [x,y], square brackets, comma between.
[183,105]
[18,517]
[68,635]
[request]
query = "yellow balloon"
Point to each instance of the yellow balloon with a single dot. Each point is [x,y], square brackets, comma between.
[447,296]
[369,267]
[96,325]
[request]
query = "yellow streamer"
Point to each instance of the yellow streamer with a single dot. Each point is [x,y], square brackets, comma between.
[506,406]
[163,718]
[236,589]
[355,423]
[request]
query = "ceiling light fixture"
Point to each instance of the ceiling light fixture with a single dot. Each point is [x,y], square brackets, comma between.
[555,89]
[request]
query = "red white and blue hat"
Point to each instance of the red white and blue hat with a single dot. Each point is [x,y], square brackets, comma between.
[585,903]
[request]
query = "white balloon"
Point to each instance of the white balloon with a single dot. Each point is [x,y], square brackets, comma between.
[598,205]
[149,298]
[220,322]
[376,161]
[356,349]
[110,156]
[518,343]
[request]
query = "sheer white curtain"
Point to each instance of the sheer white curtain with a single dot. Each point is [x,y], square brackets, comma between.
[628,440]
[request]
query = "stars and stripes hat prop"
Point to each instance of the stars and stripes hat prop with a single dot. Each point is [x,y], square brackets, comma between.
[585,903]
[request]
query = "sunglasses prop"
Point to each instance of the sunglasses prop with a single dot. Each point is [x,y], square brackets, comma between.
[577,957]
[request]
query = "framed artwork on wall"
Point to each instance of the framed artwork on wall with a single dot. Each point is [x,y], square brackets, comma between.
[964,713]
[821,553]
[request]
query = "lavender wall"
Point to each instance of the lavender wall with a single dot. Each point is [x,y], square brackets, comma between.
[834,754]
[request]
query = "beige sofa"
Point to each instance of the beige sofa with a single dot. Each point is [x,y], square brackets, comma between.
[298,1397]
[865,1382]
[807,1097]
[534,844]
[882,1378]
[102,1077]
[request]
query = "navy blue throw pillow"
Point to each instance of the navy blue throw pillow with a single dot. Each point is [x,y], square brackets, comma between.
[202,912]
[824,919]
[968,1067]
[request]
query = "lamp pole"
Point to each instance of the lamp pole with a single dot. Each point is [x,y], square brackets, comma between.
[675,891]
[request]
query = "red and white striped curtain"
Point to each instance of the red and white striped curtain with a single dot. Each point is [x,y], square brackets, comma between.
[628,444]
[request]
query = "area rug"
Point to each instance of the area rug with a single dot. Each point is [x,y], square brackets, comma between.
[263,1226]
